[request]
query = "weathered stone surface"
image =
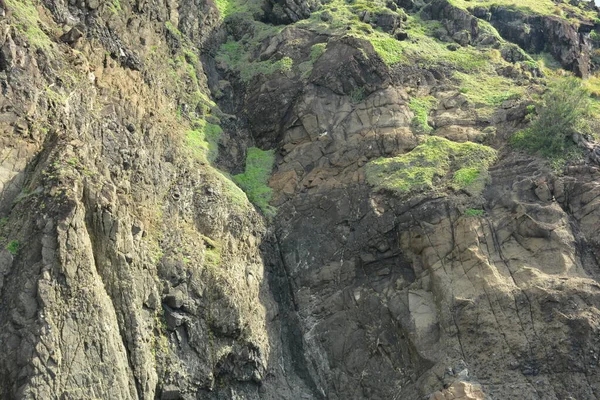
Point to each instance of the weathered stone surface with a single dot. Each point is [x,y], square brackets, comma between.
[132,269]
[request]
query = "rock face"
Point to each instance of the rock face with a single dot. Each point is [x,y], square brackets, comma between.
[565,41]
[129,268]
[132,267]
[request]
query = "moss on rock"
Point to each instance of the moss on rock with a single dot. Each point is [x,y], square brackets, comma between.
[434,164]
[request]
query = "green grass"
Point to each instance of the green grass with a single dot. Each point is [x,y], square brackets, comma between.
[473,212]
[487,91]
[420,49]
[426,51]
[234,194]
[421,106]
[230,7]
[13,247]
[173,29]
[542,7]
[434,164]
[115,6]
[465,177]
[203,140]
[254,181]
[26,20]
[238,58]
[389,49]
[316,51]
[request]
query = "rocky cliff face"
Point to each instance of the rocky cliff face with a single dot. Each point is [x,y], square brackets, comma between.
[401,250]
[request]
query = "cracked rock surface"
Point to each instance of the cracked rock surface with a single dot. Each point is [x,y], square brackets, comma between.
[133,267]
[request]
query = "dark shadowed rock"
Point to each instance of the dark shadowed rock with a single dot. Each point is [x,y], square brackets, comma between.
[74,34]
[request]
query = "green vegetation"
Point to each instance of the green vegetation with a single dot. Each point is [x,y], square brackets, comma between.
[173,29]
[421,106]
[430,165]
[421,48]
[182,72]
[115,6]
[488,89]
[228,8]
[254,181]
[204,140]
[316,51]
[389,49]
[542,7]
[465,177]
[426,51]
[564,110]
[26,19]
[473,212]
[357,95]
[13,247]
[212,252]
[236,57]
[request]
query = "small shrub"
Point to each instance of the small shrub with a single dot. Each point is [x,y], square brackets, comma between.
[357,95]
[13,247]
[564,111]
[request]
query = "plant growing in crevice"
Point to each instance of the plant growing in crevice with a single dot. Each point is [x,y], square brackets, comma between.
[357,95]
[254,181]
[474,212]
[13,247]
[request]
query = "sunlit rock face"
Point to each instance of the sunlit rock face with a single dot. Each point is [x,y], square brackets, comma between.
[291,199]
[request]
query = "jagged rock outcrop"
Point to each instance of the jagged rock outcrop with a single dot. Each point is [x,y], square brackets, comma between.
[565,41]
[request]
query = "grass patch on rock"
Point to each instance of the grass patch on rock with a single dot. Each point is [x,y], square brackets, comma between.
[26,19]
[229,7]
[421,106]
[203,140]
[488,89]
[254,181]
[421,48]
[474,212]
[237,56]
[434,164]
[13,247]
[529,7]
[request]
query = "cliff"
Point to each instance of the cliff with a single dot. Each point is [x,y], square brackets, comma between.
[290,199]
